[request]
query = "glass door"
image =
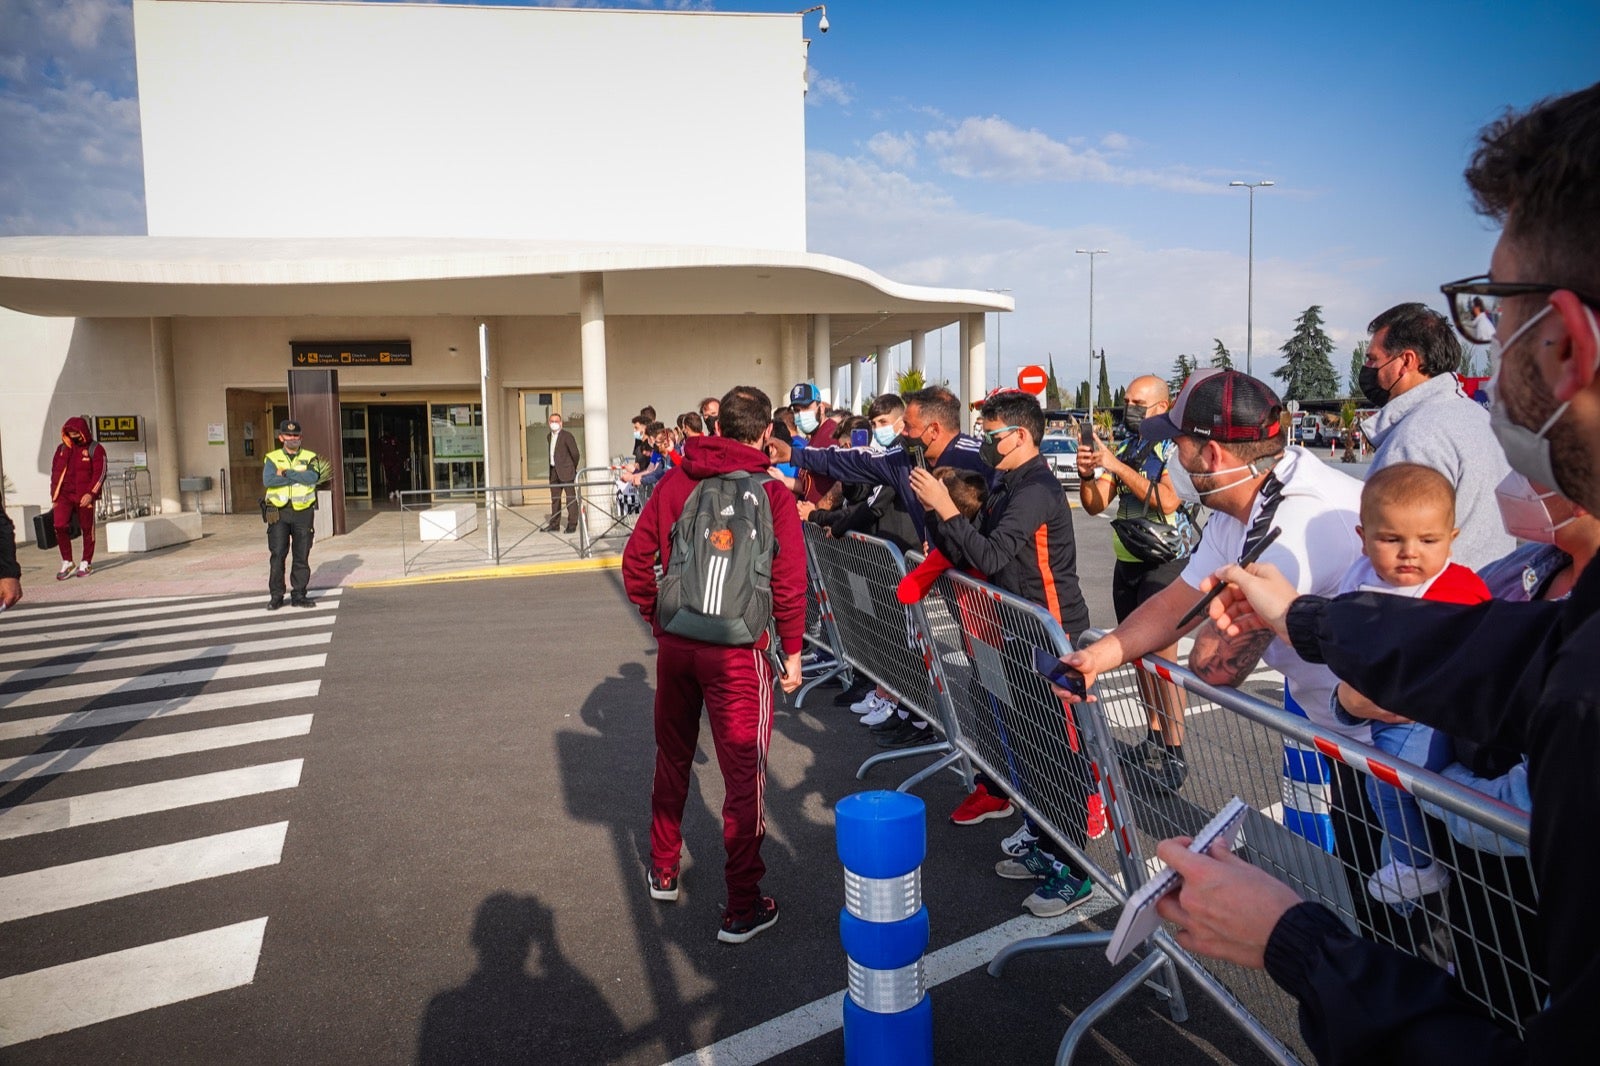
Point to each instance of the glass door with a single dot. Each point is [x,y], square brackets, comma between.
[357,461]
[537,407]
[457,432]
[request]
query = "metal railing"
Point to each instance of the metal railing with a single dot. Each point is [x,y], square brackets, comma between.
[977,644]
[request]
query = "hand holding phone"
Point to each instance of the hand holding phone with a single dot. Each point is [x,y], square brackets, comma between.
[919,455]
[1059,673]
[1086,436]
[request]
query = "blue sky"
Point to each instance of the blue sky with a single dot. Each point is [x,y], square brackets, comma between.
[978,144]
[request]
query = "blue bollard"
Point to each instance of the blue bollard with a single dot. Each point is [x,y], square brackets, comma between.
[888,1019]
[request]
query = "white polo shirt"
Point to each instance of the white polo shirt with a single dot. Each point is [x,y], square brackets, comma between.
[1317,513]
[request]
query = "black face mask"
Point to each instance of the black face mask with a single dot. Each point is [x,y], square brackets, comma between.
[1367,379]
[1133,417]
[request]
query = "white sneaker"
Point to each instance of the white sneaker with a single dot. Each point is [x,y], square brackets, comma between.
[882,713]
[84,569]
[65,571]
[1019,843]
[866,704]
[1397,881]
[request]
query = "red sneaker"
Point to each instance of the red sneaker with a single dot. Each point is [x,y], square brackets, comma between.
[979,806]
[1097,826]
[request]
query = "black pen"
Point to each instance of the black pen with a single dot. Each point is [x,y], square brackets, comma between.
[1244,560]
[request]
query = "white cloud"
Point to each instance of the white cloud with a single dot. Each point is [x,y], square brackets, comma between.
[992,149]
[1151,303]
[826,90]
[894,149]
[1116,142]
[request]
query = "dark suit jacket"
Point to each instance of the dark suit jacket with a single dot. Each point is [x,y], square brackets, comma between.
[566,464]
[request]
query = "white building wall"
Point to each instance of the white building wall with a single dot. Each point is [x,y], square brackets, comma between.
[330,120]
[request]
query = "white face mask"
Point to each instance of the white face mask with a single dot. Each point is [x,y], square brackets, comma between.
[806,421]
[1528,450]
[555,427]
[1199,495]
[1523,511]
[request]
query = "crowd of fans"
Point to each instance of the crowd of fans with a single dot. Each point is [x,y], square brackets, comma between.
[1401,611]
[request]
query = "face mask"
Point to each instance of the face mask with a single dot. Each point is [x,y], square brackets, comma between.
[1523,511]
[989,450]
[1367,380]
[555,427]
[884,436]
[1133,417]
[1527,450]
[1181,483]
[638,435]
[1200,494]
[807,421]
[711,424]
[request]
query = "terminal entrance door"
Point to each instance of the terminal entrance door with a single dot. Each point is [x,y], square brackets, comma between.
[537,407]
[456,430]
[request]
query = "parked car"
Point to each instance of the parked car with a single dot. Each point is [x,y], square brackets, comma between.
[1060,450]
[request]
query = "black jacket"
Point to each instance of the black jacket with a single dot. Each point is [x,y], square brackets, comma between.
[8,547]
[1023,542]
[880,514]
[1521,674]
[893,468]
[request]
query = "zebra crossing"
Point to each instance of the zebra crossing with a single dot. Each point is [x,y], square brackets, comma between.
[135,716]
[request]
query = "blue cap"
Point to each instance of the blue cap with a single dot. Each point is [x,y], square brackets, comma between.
[804,394]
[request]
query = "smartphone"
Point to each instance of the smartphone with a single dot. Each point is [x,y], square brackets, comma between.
[919,455]
[1059,673]
[860,437]
[1086,435]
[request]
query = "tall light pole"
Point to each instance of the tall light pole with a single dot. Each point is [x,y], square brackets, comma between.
[1091,255]
[1250,291]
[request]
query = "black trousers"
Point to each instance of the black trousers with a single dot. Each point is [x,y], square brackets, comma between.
[293,528]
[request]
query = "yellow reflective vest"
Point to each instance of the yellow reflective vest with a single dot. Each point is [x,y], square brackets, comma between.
[294,494]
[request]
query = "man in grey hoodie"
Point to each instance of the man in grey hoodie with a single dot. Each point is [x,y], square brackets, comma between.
[1427,418]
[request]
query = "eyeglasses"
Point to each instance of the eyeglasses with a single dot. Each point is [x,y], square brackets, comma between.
[993,435]
[1475,303]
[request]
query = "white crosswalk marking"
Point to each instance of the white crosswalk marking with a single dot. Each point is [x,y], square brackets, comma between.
[123,689]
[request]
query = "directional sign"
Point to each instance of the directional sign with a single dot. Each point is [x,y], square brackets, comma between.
[1032,379]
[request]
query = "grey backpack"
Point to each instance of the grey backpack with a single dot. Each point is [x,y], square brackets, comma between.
[718,584]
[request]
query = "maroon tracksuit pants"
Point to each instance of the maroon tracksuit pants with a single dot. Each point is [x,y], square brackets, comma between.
[735,685]
[62,517]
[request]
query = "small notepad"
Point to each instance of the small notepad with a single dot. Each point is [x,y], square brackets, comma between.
[1139,918]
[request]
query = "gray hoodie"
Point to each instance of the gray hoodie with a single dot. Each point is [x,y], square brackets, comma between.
[1437,425]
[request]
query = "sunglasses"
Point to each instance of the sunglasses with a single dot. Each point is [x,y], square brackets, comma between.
[1475,303]
[993,435]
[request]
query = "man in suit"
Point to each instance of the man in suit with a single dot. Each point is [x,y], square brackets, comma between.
[563,472]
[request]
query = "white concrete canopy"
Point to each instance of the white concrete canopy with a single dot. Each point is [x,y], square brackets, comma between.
[155,277]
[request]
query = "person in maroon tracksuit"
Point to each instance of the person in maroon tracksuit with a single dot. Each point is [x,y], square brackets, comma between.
[734,682]
[77,477]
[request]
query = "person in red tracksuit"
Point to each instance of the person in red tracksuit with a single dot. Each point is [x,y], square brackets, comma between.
[734,683]
[77,477]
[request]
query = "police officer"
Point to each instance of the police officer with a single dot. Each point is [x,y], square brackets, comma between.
[291,474]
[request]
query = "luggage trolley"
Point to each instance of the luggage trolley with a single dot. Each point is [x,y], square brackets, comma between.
[127,491]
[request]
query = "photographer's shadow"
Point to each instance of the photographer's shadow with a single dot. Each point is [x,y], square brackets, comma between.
[509,1011]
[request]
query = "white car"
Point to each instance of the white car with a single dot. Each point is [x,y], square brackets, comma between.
[1060,450]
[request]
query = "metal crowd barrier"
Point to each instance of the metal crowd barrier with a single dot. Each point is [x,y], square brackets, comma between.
[886,640]
[976,644]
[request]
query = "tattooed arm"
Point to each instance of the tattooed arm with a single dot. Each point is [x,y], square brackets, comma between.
[1222,660]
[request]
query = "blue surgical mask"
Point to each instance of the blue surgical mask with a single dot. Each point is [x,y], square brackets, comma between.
[807,421]
[885,436]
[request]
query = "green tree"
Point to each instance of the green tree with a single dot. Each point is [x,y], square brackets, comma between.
[1220,358]
[1052,388]
[1358,355]
[909,381]
[1083,396]
[1102,397]
[1182,367]
[1306,372]
[1121,397]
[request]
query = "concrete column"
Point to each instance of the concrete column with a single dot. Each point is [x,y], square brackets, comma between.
[164,434]
[841,379]
[958,384]
[792,354]
[822,357]
[858,384]
[496,471]
[592,341]
[885,370]
[919,353]
[975,358]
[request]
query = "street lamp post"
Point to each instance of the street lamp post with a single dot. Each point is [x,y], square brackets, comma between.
[1091,255]
[1250,291]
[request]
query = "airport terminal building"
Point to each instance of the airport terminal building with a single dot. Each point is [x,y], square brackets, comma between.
[427,227]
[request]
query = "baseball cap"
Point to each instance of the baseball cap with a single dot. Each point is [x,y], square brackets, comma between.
[289,425]
[804,394]
[1221,405]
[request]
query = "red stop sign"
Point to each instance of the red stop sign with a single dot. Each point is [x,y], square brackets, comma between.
[1032,379]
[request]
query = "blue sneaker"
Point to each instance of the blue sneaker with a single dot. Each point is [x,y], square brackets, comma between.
[1058,895]
[1032,864]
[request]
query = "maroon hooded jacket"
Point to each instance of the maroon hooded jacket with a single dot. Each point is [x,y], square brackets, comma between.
[705,457]
[77,469]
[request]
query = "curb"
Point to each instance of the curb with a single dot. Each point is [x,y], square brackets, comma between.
[487,573]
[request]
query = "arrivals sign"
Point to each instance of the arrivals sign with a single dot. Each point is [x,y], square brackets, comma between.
[350,353]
